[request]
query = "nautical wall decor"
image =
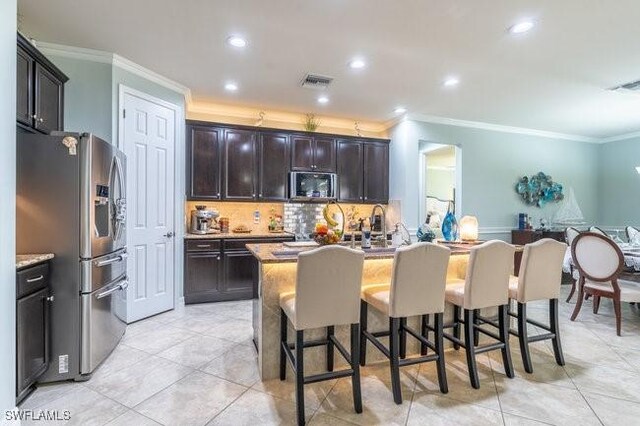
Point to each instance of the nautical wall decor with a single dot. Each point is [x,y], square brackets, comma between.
[539,189]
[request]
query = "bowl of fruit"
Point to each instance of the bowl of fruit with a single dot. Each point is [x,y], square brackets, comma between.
[324,235]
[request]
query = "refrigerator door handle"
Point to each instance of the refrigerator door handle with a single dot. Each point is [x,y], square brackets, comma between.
[122,285]
[119,258]
[119,204]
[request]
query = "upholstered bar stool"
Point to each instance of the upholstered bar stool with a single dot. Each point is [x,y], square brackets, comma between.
[633,233]
[540,278]
[486,285]
[417,287]
[569,235]
[600,262]
[327,293]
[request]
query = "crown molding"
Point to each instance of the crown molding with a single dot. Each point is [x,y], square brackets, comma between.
[621,137]
[115,60]
[500,128]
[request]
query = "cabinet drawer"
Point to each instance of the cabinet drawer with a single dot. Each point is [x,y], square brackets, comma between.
[32,279]
[239,244]
[202,245]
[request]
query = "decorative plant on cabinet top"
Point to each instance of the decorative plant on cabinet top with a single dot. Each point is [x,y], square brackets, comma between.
[539,189]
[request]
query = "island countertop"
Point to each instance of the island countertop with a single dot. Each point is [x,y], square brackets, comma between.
[25,260]
[279,253]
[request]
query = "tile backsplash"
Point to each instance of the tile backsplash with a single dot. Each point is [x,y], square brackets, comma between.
[299,218]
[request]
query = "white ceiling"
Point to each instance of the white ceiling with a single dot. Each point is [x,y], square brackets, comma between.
[553,78]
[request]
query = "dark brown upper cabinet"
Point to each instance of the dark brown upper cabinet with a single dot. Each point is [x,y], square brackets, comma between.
[376,172]
[316,154]
[24,88]
[350,172]
[204,152]
[39,90]
[239,179]
[273,167]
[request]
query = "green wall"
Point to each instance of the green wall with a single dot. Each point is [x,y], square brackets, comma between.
[492,162]
[87,96]
[8,205]
[619,183]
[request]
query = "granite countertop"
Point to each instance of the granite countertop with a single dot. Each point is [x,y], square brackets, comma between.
[254,234]
[279,253]
[24,260]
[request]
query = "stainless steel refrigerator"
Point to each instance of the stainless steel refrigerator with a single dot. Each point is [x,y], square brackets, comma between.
[71,202]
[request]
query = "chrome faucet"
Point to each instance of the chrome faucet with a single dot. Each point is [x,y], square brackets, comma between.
[383,225]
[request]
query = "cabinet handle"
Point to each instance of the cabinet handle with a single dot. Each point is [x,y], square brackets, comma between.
[50,299]
[36,279]
[40,120]
[35,117]
[203,245]
[218,194]
[217,257]
[260,195]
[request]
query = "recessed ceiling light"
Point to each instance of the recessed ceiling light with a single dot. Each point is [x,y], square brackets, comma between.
[451,82]
[357,64]
[323,100]
[236,41]
[521,27]
[400,110]
[230,87]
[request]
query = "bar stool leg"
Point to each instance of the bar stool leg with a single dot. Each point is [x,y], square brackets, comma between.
[555,329]
[403,338]
[424,332]
[330,347]
[394,349]
[523,337]
[503,322]
[355,379]
[363,328]
[456,325]
[300,376]
[439,343]
[470,348]
[283,341]
[476,323]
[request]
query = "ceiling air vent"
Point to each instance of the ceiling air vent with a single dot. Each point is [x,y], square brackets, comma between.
[634,86]
[316,81]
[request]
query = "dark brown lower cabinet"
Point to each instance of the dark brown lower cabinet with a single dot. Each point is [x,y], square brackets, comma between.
[202,277]
[219,270]
[32,327]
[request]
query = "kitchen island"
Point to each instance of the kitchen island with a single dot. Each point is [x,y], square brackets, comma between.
[277,266]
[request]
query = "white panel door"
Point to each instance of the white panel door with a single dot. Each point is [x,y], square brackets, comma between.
[149,143]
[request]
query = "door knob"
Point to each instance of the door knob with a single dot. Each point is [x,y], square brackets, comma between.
[169,234]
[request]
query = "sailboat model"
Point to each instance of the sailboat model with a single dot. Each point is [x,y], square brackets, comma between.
[569,212]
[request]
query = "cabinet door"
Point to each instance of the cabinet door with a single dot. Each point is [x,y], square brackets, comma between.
[32,338]
[24,88]
[238,275]
[240,165]
[301,153]
[204,146]
[324,155]
[376,172]
[48,101]
[350,162]
[202,273]
[273,158]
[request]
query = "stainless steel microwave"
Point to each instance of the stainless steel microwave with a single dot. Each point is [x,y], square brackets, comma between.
[310,186]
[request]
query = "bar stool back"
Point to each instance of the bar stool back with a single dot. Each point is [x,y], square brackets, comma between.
[417,287]
[327,293]
[540,279]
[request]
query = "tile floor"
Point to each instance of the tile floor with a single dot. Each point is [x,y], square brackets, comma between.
[197,366]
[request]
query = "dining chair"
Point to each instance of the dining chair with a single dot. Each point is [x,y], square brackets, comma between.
[600,262]
[418,280]
[633,234]
[486,285]
[569,235]
[327,293]
[598,230]
[539,279]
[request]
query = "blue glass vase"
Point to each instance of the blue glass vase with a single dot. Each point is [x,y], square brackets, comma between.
[450,226]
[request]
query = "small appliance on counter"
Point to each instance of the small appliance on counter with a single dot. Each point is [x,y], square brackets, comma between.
[204,221]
